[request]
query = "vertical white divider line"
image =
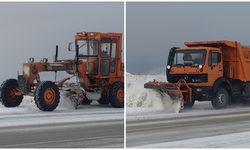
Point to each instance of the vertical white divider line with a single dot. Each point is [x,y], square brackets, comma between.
[125,68]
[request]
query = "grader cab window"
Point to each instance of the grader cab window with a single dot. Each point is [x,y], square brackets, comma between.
[105,50]
[108,49]
[88,50]
[88,47]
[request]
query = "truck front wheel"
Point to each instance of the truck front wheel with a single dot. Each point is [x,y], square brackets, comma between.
[220,99]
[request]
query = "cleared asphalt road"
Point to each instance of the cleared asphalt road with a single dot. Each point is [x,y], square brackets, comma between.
[80,135]
[158,131]
[91,126]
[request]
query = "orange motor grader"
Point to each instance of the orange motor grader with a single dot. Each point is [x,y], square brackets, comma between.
[216,71]
[97,67]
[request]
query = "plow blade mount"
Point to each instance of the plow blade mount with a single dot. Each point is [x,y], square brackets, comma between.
[176,91]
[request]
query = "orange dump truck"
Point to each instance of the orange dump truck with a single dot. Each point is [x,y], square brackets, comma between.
[216,71]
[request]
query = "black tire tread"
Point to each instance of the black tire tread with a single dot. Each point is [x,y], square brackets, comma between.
[112,95]
[215,103]
[3,92]
[39,96]
[103,100]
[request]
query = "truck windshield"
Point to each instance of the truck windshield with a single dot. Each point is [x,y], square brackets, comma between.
[189,57]
[88,47]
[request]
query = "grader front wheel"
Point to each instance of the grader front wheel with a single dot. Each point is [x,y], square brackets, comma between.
[116,95]
[10,94]
[47,96]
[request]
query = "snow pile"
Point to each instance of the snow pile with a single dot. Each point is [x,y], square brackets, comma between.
[139,99]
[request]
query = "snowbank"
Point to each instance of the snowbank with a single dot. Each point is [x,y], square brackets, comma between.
[139,99]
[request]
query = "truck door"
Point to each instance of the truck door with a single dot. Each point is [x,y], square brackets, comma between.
[215,66]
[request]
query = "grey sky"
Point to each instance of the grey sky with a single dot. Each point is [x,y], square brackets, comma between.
[33,29]
[153,28]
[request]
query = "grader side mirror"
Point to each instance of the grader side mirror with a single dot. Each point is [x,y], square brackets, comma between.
[70,46]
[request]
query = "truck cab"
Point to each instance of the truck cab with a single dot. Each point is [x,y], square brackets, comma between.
[216,71]
[199,66]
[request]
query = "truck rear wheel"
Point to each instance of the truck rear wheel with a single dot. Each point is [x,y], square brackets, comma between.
[47,96]
[116,95]
[9,98]
[221,99]
[103,99]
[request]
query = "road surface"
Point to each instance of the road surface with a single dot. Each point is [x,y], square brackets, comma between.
[206,128]
[92,126]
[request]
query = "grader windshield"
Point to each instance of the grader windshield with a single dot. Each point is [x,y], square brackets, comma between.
[189,57]
[88,47]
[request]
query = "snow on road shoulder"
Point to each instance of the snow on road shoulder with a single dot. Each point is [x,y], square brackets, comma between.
[232,140]
[27,113]
[140,100]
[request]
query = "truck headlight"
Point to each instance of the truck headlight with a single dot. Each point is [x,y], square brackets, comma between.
[200,66]
[198,89]
[168,66]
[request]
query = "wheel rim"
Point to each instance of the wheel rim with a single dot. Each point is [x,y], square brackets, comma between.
[221,98]
[49,96]
[12,94]
[120,95]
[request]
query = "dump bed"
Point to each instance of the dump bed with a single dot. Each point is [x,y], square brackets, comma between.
[236,58]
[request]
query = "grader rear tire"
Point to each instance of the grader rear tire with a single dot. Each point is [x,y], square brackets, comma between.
[116,95]
[8,97]
[103,99]
[47,96]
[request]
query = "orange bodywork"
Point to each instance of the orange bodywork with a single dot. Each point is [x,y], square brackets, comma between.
[88,79]
[236,58]
[234,64]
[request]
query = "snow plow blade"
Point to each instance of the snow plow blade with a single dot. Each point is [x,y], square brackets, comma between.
[176,91]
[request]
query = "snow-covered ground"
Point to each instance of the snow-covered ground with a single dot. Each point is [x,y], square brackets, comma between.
[26,126]
[28,114]
[233,140]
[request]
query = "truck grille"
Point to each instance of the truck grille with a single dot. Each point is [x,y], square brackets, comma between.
[189,78]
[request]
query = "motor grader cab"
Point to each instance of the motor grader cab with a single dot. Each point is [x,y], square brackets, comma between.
[97,67]
[213,71]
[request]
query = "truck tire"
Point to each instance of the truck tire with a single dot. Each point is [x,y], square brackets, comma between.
[8,98]
[103,99]
[188,105]
[221,99]
[116,95]
[47,96]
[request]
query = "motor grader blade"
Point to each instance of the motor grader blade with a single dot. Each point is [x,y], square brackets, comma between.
[172,89]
